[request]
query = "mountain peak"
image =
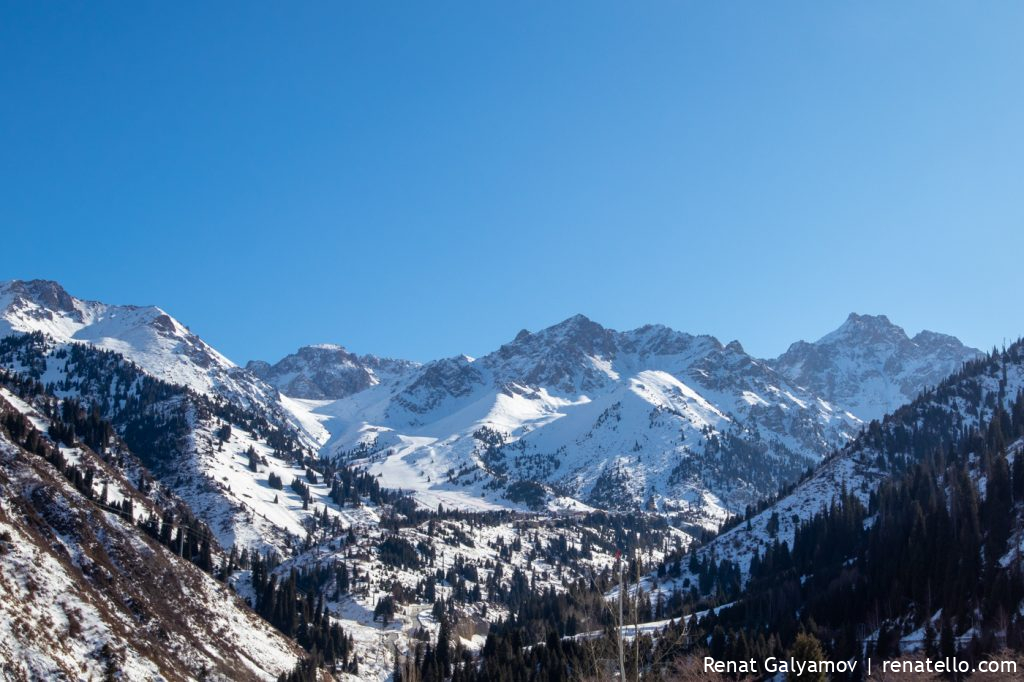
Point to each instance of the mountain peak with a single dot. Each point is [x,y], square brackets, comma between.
[159,344]
[735,346]
[578,321]
[580,331]
[327,371]
[322,346]
[865,318]
[866,321]
[870,366]
[930,338]
[44,292]
[866,329]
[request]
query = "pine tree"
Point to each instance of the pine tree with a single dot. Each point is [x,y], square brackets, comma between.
[443,650]
[947,641]
[807,648]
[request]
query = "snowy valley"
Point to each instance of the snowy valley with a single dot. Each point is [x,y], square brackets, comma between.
[371,508]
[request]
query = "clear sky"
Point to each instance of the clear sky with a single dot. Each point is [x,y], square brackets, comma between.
[424,179]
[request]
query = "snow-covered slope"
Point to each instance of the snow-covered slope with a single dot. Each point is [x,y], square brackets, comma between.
[85,593]
[934,421]
[571,416]
[149,337]
[475,564]
[197,446]
[870,366]
[578,413]
[651,416]
[328,372]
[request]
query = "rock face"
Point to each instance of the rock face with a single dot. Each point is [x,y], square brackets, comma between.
[327,372]
[869,366]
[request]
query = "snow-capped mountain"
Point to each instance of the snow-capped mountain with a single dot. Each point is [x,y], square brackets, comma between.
[576,414]
[914,527]
[215,455]
[328,372]
[573,417]
[157,343]
[935,421]
[88,587]
[650,416]
[870,366]
[171,393]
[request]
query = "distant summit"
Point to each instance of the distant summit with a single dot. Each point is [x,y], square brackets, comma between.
[870,366]
[327,372]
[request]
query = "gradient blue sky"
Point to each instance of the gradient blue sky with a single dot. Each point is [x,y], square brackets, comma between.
[424,179]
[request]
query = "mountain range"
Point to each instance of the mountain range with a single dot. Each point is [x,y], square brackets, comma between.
[581,415]
[907,541]
[574,416]
[334,490]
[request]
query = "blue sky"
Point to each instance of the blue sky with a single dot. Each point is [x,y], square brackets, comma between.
[424,179]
